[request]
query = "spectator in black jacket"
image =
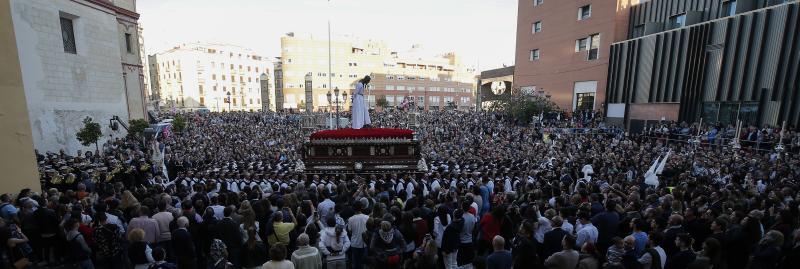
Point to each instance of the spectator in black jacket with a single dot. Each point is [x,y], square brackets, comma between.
[183,245]
[768,252]
[685,255]
[675,227]
[228,232]
[524,250]
[607,224]
[552,239]
[47,221]
[451,240]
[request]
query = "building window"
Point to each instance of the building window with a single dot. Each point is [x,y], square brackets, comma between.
[537,27]
[214,76]
[534,55]
[202,101]
[584,101]
[678,21]
[128,44]
[200,88]
[68,35]
[729,8]
[584,12]
[594,47]
[581,44]
[538,2]
[233,78]
[223,77]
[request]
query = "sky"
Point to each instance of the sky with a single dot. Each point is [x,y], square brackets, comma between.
[482,31]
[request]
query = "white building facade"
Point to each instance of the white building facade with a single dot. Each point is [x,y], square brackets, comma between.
[79,58]
[216,77]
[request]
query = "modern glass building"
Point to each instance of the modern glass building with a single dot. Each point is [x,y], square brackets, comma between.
[719,60]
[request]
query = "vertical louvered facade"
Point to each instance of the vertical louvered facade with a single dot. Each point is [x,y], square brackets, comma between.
[708,59]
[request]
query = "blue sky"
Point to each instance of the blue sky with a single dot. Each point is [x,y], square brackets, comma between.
[483,31]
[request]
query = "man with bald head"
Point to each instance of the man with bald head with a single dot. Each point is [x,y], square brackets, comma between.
[500,258]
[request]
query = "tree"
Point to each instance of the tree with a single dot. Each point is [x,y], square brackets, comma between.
[90,133]
[137,126]
[523,108]
[382,102]
[179,123]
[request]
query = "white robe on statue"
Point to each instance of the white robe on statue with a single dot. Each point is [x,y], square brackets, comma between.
[360,109]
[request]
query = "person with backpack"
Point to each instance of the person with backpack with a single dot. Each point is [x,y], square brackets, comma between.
[107,240]
[388,245]
[80,252]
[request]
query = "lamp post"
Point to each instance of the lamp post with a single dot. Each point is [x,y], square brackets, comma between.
[329,104]
[229,101]
[336,95]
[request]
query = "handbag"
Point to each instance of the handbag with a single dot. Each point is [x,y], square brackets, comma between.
[22,260]
[22,263]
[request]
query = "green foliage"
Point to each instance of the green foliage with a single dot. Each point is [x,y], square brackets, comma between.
[90,133]
[137,126]
[382,102]
[179,123]
[524,108]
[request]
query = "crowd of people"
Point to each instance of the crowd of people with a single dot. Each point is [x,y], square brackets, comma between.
[223,193]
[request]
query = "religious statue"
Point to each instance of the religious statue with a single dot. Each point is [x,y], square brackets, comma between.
[360,110]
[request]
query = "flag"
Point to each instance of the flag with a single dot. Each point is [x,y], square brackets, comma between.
[663,163]
[650,177]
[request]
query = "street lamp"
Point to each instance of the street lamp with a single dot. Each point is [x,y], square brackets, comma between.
[229,101]
[330,101]
[336,95]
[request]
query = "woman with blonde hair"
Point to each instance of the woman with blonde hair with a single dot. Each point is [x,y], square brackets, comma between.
[139,252]
[129,205]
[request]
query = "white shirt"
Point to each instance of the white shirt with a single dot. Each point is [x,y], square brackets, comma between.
[544,227]
[218,211]
[357,225]
[587,233]
[567,227]
[438,230]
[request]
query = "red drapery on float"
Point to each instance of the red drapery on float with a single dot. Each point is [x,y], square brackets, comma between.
[363,133]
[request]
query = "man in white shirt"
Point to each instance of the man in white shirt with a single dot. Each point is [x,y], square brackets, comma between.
[357,226]
[218,209]
[587,233]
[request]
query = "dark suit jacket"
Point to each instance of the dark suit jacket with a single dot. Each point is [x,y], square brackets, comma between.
[552,241]
[182,243]
[228,232]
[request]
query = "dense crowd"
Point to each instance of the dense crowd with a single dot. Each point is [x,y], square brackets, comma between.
[223,193]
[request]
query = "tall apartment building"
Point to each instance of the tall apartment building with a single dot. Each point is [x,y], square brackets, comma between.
[434,82]
[719,60]
[63,61]
[563,48]
[216,77]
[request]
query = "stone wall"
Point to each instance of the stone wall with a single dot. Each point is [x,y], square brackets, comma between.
[63,88]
